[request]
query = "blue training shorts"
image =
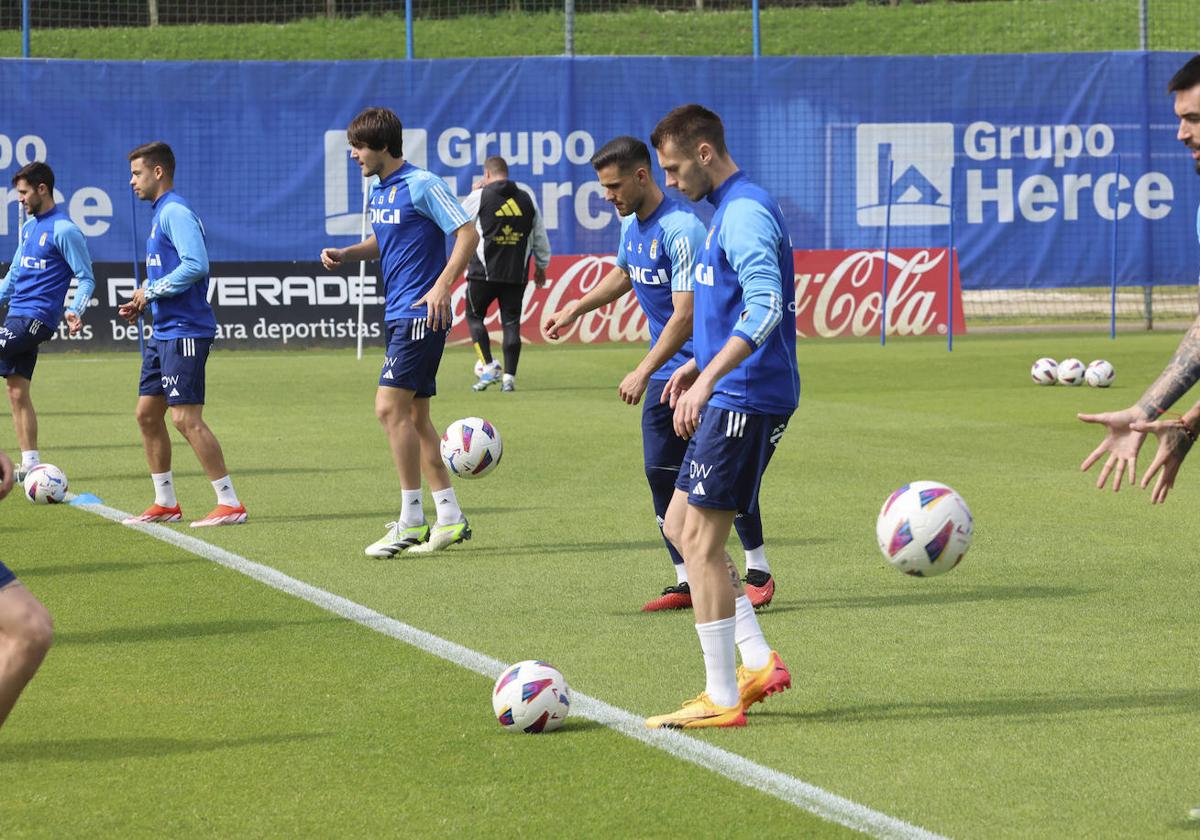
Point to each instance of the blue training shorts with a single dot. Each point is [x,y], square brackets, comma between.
[19,340]
[174,368]
[661,447]
[6,576]
[414,352]
[726,458]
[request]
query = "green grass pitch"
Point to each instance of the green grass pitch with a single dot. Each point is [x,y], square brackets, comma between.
[1045,688]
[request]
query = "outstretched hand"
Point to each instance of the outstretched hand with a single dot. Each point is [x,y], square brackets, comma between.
[1174,441]
[1121,444]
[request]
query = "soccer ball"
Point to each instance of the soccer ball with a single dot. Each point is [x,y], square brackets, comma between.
[1070,372]
[45,484]
[471,447]
[1099,374]
[924,529]
[531,697]
[1045,371]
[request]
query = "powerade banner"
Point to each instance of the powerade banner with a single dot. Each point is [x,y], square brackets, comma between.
[299,305]
[1043,170]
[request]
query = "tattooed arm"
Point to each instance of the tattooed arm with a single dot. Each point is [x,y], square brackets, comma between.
[1125,430]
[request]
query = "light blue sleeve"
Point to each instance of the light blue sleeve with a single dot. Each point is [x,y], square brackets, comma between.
[623,263]
[684,239]
[750,238]
[432,198]
[69,241]
[183,228]
[6,285]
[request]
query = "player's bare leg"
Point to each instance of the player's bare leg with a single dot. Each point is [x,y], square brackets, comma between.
[24,417]
[156,440]
[189,421]
[394,410]
[451,526]
[26,632]
[432,468]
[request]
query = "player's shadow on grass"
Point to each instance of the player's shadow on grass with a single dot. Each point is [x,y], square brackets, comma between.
[177,631]
[1175,701]
[64,569]
[934,598]
[107,749]
[133,445]
[376,518]
[597,548]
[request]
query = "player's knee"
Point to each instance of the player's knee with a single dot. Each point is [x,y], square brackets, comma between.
[673,531]
[34,631]
[187,424]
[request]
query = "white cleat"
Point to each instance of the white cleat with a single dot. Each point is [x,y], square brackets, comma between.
[443,536]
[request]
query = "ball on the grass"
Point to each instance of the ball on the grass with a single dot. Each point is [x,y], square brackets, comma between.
[1044,371]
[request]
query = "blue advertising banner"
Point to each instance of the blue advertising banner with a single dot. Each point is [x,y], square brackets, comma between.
[1035,161]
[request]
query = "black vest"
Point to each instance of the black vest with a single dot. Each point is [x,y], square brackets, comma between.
[506,217]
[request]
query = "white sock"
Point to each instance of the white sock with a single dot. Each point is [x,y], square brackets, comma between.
[30,458]
[164,489]
[412,510]
[755,651]
[448,511]
[509,378]
[225,494]
[756,558]
[720,660]
[680,573]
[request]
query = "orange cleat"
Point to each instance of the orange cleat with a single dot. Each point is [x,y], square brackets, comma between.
[222,515]
[155,513]
[760,588]
[756,686]
[677,597]
[698,713]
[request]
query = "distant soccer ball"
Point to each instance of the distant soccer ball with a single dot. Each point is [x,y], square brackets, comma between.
[1100,374]
[45,484]
[531,697]
[1070,372]
[471,447]
[1045,371]
[924,529]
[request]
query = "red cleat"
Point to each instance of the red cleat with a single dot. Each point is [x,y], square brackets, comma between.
[155,513]
[760,588]
[677,597]
[222,515]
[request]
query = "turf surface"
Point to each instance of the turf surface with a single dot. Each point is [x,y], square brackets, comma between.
[1045,688]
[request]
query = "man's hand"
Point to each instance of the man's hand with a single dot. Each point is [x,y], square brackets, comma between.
[559,321]
[539,276]
[688,406]
[633,386]
[680,381]
[437,304]
[131,309]
[331,258]
[74,323]
[1121,443]
[1175,438]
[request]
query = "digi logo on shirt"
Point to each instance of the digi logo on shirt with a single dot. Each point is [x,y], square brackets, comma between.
[34,263]
[154,260]
[647,276]
[385,216]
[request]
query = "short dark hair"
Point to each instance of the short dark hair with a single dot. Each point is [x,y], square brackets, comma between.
[496,165]
[627,153]
[1187,77]
[688,126]
[377,129]
[34,173]
[157,153]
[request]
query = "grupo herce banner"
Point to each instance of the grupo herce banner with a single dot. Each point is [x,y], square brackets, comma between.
[301,305]
[1034,163]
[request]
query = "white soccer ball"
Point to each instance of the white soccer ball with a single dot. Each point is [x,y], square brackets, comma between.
[531,697]
[1070,372]
[471,447]
[924,529]
[45,484]
[1044,371]
[1100,374]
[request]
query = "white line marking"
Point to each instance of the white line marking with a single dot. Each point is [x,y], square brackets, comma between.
[815,800]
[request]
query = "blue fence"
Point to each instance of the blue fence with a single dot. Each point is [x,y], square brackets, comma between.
[1042,163]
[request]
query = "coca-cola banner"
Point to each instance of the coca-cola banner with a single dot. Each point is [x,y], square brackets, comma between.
[300,305]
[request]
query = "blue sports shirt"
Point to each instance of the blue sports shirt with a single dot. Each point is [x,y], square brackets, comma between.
[658,255]
[50,251]
[412,210]
[744,287]
[177,272]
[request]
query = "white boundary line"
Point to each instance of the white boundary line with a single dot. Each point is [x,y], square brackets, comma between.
[811,798]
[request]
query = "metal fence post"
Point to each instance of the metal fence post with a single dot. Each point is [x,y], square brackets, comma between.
[1143,25]
[757,31]
[408,33]
[25,28]
[569,28]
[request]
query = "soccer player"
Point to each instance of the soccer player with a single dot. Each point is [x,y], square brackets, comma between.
[510,229]
[50,251]
[660,238]
[25,626]
[1126,429]
[412,211]
[175,355]
[732,401]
